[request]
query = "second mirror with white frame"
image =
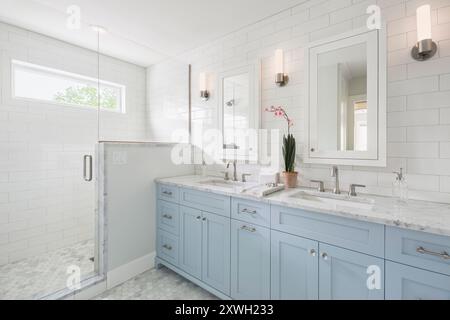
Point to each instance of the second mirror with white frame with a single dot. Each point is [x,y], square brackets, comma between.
[346,79]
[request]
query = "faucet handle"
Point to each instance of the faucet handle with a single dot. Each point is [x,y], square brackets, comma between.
[352,191]
[321,187]
[226,175]
[244,176]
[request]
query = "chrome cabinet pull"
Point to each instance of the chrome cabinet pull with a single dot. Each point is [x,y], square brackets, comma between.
[167,216]
[325,256]
[199,217]
[312,252]
[245,210]
[248,229]
[87,168]
[166,246]
[444,255]
[204,219]
[167,193]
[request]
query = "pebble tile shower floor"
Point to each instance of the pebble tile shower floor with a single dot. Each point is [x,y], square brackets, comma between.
[36,277]
[45,274]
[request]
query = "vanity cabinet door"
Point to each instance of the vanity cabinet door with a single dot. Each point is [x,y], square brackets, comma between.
[216,252]
[345,274]
[191,241]
[409,283]
[295,267]
[250,261]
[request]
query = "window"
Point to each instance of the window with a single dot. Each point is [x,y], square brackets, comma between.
[30,81]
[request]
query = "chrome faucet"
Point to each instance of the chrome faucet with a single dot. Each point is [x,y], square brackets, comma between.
[335,174]
[234,169]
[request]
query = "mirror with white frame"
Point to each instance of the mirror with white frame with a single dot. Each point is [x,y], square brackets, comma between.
[347,99]
[239,104]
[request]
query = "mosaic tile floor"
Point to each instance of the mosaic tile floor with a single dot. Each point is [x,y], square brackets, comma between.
[157,284]
[39,276]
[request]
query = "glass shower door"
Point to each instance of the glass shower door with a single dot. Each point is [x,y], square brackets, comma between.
[48,138]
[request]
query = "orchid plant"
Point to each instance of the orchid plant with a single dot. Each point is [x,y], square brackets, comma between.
[288,141]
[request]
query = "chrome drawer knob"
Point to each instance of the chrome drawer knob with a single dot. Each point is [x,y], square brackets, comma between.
[168,217]
[324,256]
[312,252]
[166,246]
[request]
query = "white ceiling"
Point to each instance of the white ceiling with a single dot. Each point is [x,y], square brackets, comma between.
[141,31]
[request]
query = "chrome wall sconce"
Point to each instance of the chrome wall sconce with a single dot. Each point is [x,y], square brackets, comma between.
[281,78]
[425,47]
[204,93]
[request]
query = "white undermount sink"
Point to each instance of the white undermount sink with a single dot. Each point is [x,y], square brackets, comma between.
[223,183]
[334,200]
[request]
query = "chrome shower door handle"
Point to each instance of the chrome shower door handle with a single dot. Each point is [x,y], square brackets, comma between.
[87,168]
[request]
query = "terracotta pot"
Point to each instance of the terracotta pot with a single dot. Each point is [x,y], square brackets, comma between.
[290,179]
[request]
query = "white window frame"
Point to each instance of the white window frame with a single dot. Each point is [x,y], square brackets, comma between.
[68,75]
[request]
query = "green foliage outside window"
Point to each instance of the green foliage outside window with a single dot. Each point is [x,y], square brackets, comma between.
[87,96]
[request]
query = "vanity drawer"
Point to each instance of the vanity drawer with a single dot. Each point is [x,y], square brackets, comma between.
[206,201]
[168,193]
[250,211]
[418,249]
[356,235]
[409,283]
[168,215]
[167,247]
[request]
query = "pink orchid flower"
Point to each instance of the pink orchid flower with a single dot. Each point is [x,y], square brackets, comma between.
[280,112]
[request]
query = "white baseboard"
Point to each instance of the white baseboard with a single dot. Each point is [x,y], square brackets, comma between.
[130,270]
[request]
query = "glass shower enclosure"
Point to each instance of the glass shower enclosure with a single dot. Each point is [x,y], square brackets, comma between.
[51,97]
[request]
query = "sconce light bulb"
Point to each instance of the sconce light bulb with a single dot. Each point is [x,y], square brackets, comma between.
[423,22]
[202,81]
[281,78]
[425,47]
[279,63]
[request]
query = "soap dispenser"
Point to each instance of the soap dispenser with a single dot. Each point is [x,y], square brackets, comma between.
[400,186]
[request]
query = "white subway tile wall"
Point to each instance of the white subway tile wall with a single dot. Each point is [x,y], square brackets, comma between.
[44,202]
[418,92]
[168,101]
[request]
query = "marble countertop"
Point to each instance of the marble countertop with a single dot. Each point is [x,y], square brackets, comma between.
[415,215]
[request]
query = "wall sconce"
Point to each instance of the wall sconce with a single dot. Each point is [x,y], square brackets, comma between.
[204,93]
[425,47]
[281,79]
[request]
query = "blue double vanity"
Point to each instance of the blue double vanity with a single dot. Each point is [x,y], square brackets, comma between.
[239,246]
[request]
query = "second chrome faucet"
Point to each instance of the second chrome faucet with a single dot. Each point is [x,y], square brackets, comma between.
[337,189]
[234,162]
[235,178]
[335,175]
